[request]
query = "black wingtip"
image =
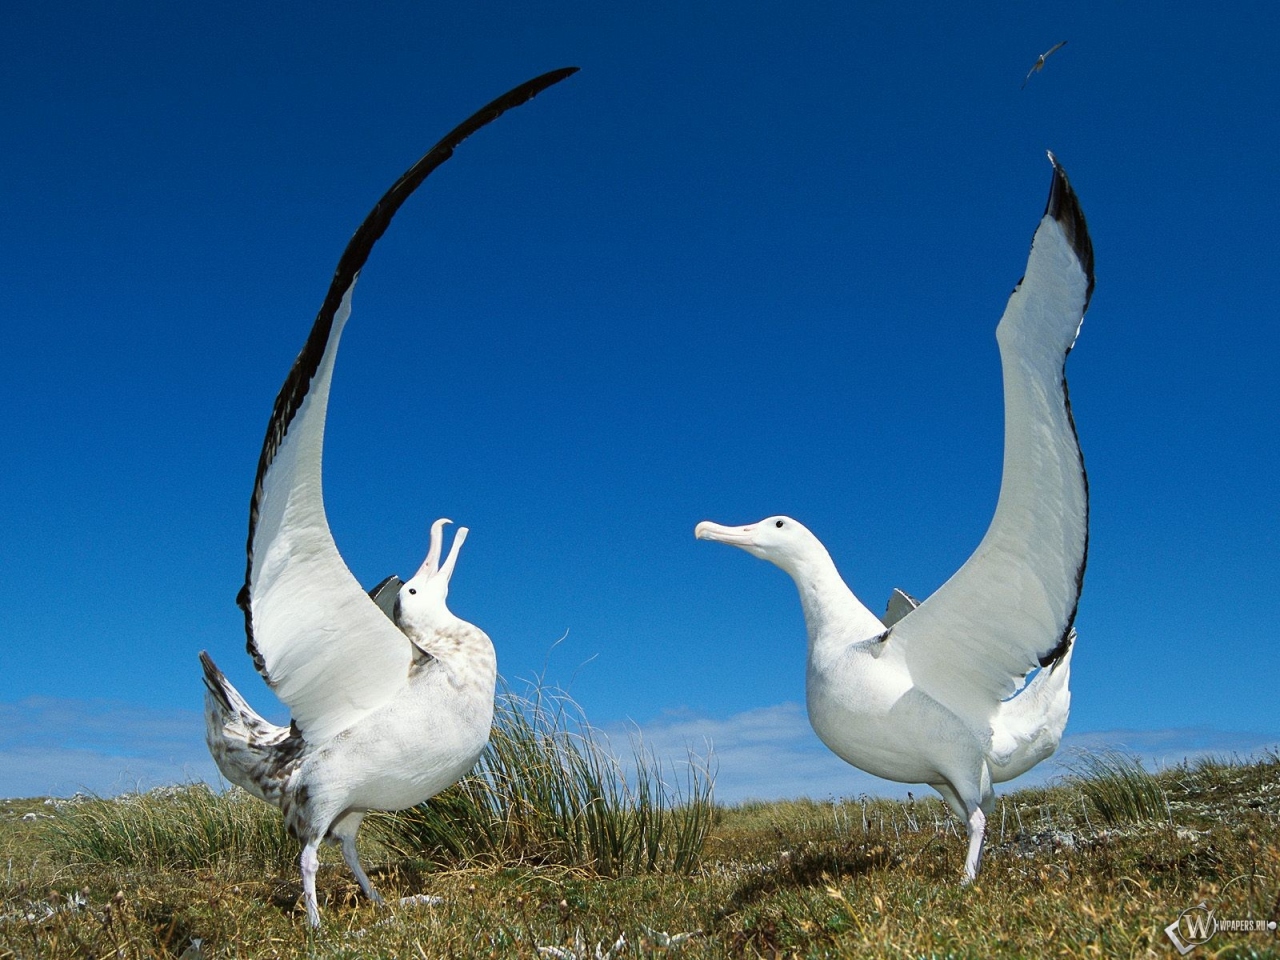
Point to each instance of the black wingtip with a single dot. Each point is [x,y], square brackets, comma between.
[1064,207]
[298,382]
[375,224]
[1055,656]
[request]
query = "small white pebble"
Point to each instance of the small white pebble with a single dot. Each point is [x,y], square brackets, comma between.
[420,900]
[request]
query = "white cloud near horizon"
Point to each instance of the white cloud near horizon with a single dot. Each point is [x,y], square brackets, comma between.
[772,753]
[57,747]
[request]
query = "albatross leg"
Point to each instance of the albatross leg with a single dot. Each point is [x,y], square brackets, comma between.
[977,833]
[975,821]
[980,811]
[344,828]
[989,804]
[310,861]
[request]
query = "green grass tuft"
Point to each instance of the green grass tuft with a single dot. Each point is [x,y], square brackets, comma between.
[549,790]
[1120,790]
[187,826]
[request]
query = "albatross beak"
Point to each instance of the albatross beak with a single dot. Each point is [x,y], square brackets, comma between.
[738,536]
[446,571]
[432,563]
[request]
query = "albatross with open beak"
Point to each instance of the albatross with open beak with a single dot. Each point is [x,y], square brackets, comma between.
[391,702]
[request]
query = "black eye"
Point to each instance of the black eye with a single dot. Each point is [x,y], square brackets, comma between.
[413,590]
[778,524]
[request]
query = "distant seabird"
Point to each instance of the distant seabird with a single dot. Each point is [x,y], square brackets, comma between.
[927,695]
[387,710]
[1039,64]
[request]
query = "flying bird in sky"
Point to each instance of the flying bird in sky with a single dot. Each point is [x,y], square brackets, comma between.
[935,692]
[390,694]
[1039,64]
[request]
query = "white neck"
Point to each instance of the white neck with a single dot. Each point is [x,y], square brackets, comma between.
[835,618]
[427,621]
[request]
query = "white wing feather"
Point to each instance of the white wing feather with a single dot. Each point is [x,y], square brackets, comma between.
[328,651]
[1011,605]
[321,642]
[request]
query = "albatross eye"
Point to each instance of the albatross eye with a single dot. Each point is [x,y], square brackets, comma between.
[413,591]
[778,524]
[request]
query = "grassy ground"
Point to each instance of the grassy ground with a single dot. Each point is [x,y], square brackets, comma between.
[1096,866]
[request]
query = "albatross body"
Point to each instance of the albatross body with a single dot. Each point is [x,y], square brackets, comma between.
[1039,64]
[391,695]
[935,692]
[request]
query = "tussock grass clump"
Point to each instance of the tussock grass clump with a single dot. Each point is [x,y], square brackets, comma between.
[549,790]
[1120,790]
[187,826]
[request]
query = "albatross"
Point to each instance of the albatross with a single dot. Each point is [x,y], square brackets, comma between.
[1039,64]
[391,695]
[936,692]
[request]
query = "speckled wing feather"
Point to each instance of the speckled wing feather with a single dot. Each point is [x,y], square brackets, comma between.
[1012,605]
[314,634]
[249,751]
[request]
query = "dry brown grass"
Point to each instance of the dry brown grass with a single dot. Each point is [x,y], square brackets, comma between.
[796,879]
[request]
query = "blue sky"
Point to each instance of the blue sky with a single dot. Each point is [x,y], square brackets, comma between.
[748,261]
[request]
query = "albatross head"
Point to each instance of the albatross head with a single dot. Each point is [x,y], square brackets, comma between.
[780,540]
[421,603]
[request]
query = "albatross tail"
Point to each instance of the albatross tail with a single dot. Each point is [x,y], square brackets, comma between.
[251,752]
[1028,727]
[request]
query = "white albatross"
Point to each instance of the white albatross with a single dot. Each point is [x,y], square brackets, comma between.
[928,694]
[386,711]
[1039,64]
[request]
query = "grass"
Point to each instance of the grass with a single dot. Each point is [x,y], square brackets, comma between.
[852,878]
[549,791]
[184,827]
[1120,790]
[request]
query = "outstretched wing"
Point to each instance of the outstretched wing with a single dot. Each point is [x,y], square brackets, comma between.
[1011,607]
[1039,64]
[314,634]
